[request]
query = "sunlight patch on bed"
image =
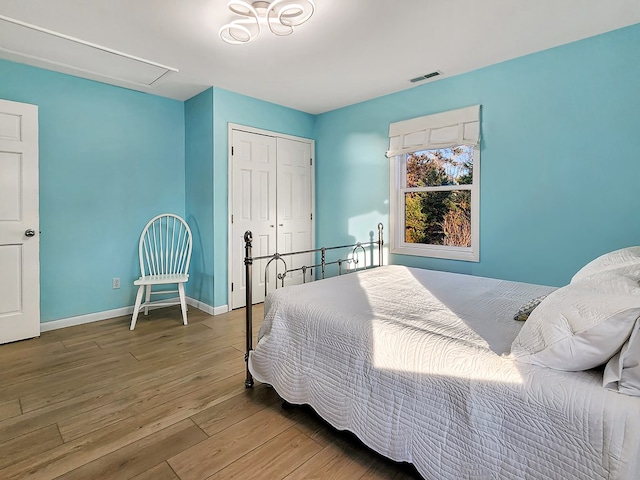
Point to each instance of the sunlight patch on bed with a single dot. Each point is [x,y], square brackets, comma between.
[439,357]
[430,338]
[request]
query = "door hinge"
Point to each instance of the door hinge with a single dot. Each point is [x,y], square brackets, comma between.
[231,218]
[311,161]
[231,150]
[232,286]
[311,216]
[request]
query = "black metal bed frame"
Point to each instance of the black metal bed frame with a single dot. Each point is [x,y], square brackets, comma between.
[278,257]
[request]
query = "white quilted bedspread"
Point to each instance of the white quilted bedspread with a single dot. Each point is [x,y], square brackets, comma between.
[412,361]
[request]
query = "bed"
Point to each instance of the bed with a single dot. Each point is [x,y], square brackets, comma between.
[416,363]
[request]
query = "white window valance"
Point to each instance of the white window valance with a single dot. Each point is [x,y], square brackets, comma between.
[440,130]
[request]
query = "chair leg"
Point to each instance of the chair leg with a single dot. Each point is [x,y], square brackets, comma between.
[183,302]
[147,300]
[136,309]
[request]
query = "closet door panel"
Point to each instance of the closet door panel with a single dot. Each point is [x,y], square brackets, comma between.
[294,205]
[253,180]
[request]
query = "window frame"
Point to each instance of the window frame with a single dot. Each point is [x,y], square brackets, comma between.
[432,132]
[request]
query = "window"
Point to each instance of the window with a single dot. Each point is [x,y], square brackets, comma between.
[435,185]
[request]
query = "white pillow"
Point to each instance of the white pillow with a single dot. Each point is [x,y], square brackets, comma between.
[580,326]
[622,373]
[626,258]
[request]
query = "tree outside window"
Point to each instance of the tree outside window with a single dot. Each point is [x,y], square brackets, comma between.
[437,203]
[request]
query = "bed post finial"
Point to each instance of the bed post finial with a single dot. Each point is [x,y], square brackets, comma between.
[380,244]
[248,263]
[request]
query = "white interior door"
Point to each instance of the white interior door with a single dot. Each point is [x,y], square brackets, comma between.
[19,222]
[294,206]
[253,181]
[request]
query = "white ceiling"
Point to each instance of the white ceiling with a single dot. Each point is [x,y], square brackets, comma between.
[349,51]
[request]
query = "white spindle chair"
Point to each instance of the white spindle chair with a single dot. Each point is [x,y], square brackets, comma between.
[165,252]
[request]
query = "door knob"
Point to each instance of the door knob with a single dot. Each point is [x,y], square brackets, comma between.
[30,232]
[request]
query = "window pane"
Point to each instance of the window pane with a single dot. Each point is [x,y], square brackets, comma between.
[442,166]
[438,218]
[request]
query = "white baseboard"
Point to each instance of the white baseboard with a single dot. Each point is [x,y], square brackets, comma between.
[118,312]
[81,319]
[200,305]
[206,307]
[221,309]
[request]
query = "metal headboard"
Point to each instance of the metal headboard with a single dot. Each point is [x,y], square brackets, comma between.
[280,258]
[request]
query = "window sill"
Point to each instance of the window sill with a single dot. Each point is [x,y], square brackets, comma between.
[437,251]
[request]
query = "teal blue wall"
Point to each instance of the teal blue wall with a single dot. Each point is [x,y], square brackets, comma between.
[234,108]
[198,112]
[207,125]
[559,159]
[110,159]
[559,164]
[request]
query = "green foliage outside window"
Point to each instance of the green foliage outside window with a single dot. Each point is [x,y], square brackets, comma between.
[441,216]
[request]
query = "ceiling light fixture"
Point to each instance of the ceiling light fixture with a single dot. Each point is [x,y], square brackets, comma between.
[280,16]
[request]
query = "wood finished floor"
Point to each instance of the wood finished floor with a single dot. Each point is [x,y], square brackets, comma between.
[163,402]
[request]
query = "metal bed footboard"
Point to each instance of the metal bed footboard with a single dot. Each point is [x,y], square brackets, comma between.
[278,257]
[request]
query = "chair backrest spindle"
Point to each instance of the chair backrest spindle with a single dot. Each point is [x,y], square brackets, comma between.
[171,249]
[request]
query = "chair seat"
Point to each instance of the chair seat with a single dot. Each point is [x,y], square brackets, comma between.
[160,279]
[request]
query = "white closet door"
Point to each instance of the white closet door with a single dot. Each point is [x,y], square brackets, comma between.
[272,195]
[294,206]
[19,222]
[253,208]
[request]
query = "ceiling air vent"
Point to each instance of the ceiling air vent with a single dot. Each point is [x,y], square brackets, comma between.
[425,77]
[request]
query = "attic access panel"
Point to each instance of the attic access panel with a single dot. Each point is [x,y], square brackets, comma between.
[28,41]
